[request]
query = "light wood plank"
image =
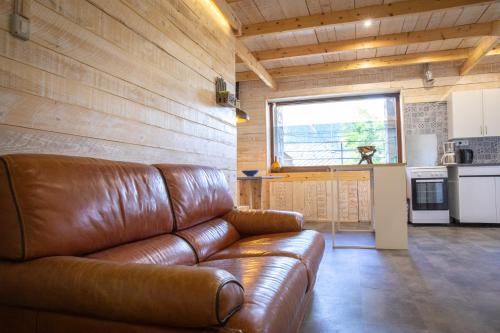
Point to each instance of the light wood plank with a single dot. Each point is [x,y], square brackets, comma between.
[17,139]
[470,30]
[352,15]
[252,63]
[310,201]
[31,54]
[230,16]
[127,81]
[22,109]
[485,45]
[15,75]
[400,60]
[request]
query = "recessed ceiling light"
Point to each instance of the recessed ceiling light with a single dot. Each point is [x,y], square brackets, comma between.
[368,23]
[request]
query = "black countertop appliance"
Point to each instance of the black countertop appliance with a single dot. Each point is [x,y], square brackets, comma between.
[465,156]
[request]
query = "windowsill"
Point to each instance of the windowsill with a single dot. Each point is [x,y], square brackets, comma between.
[335,167]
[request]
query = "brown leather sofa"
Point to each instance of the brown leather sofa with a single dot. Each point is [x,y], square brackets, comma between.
[90,245]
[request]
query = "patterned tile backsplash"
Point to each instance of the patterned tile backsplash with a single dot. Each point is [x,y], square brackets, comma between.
[427,118]
[486,150]
[432,118]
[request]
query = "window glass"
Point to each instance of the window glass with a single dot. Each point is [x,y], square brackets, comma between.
[329,132]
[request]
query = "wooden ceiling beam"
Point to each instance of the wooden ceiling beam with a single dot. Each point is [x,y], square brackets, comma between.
[340,66]
[258,70]
[462,31]
[241,51]
[353,15]
[232,19]
[484,46]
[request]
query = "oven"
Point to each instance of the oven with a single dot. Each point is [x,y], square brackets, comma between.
[428,195]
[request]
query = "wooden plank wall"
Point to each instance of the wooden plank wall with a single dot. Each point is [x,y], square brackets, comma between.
[253,138]
[127,80]
[322,197]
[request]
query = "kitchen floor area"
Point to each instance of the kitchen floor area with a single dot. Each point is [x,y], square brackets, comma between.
[448,281]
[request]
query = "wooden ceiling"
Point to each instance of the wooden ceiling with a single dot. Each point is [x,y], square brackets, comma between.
[298,37]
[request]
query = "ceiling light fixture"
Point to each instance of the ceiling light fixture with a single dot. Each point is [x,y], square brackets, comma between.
[368,23]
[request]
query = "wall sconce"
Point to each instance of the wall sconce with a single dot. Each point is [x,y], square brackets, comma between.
[241,116]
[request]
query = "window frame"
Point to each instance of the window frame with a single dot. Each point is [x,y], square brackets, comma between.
[323,168]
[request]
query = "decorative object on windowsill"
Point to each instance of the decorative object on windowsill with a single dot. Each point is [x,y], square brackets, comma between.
[366,154]
[275,166]
[224,98]
[250,173]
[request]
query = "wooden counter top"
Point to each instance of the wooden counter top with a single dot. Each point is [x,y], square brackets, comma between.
[352,167]
[259,177]
[347,167]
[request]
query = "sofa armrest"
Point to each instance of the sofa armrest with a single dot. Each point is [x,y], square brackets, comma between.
[177,296]
[258,222]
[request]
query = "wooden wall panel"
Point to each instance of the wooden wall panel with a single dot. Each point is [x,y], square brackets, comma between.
[119,79]
[320,198]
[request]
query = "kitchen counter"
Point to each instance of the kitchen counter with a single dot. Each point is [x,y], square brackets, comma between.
[353,167]
[388,196]
[468,170]
[474,165]
[257,177]
[345,167]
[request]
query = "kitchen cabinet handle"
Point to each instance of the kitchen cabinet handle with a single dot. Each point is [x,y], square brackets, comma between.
[481,130]
[486,130]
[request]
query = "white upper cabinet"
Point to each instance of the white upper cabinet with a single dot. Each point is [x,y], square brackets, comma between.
[491,111]
[474,113]
[465,114]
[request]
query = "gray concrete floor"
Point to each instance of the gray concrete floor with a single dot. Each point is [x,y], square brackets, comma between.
[355,238]
[448,281]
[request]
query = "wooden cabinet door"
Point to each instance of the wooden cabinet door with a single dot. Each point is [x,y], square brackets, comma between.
[491,110]
[465,114]
[478,200]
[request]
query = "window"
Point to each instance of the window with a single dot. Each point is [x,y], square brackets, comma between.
[329,131]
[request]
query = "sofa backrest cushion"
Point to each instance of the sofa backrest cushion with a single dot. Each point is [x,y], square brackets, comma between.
[198,194]
[61,205]
[208,238]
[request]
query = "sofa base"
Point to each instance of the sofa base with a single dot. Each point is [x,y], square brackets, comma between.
[21,320]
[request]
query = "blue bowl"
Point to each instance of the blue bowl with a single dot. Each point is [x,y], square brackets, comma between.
[250,173]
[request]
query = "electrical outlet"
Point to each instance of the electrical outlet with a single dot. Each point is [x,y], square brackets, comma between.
[20,26]
[462,143]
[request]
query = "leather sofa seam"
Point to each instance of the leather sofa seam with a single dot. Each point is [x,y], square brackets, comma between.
[169,199]
[217,299]
[18,209]
[307,274]
[190,245]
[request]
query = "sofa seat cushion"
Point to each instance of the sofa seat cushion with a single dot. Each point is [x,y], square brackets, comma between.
[164,249]
[307,246]
[274,287]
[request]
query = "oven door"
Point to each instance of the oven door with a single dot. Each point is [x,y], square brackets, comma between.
[429,194]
